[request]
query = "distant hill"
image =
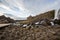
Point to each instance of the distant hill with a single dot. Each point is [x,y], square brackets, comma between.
[48,15]
[4,19]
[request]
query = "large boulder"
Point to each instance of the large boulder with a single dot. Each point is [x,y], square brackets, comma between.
[45,22]
[57,21]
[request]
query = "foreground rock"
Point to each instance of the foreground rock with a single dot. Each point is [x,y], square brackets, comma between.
[33,33]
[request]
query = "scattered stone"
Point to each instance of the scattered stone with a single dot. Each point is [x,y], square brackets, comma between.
[30,33]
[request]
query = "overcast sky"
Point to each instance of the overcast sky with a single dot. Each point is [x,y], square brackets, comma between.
[23,8]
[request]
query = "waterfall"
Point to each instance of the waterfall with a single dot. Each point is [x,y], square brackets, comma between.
[57,14]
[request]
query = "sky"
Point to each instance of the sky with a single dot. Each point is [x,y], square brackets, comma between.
[20,9]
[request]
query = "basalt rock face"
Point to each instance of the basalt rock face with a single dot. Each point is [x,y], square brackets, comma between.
[4,19]
[46,15]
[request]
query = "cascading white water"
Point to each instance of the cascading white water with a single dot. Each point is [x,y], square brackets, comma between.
[57,14]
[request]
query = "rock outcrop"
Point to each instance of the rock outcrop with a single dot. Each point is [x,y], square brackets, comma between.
[4,19]
[46,15]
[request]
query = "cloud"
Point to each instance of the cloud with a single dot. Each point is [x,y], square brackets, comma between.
[16,6]
[13,16]
[40,6]
[5,7]
[1,13]
[24,8]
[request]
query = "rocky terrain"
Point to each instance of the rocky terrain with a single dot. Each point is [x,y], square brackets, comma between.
[4,19]
[30,33]
[37,18]
[45,29]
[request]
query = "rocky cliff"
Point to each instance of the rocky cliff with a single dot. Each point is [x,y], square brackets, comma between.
[46,15]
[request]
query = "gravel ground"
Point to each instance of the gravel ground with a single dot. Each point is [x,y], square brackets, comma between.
[30,33]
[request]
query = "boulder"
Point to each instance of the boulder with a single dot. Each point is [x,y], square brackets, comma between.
[45,22]
[57,21]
